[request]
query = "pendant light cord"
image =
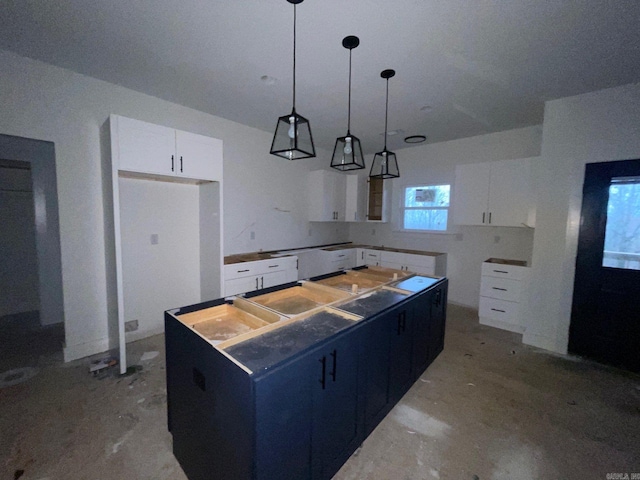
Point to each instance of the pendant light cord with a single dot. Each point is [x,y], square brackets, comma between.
[386,115]
[294,58]
[349,115]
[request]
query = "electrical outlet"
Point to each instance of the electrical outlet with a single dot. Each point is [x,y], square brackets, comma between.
[131,326]
[154,239]
[253,235]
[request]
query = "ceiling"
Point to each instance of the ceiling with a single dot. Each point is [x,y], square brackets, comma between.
[464,67]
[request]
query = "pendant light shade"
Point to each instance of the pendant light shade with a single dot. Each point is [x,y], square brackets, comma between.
[385,163]
[292,139]
[347,153]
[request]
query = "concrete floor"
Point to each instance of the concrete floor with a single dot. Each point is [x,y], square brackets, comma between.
[487,408]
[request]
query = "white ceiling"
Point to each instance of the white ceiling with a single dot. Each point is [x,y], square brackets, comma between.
[477,66]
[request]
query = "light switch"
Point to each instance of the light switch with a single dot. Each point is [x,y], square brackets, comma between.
[154,239]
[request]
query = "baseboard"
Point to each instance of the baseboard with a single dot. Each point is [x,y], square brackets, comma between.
[74,352]
[502,325]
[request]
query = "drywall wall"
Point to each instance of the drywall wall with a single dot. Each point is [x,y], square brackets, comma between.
[595,127]
[159,222]
[467,247]
[18,260]
[262,194]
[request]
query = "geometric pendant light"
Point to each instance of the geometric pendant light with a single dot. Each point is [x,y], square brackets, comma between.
[385,164]
[292,139]
[347,153]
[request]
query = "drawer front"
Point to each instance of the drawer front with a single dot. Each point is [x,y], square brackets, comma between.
[275,265]
[341,265]
[420,261]
[240,270]
[372,257]
[501,288]
[504,271]
[501,310]
[392,257]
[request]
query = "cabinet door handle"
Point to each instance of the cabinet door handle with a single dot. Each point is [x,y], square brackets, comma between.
[273,266]
[498,310]
[500,271]
[180,164]
[256,283]
[334,354]
[296,264]
[261,282]
[438,297]
[501,289]
[489,217]
[242,271]
[323,361]
[172,161]
[362,256]
[483,214]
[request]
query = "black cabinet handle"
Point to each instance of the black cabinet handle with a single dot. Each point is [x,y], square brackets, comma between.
[489,217]
[172,160]
[256,283]
[324,371]
[273,266]
[498,310]
[334,354]
[261,282]
[180,164]
[500,271]
[242,271]
[483,214]
[501,289]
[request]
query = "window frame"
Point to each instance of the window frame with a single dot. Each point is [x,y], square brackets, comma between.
[403,208]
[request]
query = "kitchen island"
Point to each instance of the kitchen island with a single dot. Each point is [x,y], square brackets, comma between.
[287,382]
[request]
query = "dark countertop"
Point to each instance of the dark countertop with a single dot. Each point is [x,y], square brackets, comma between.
[255,256]
[504,261]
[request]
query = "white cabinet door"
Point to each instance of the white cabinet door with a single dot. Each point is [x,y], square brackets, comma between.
[510,194]
[236,286]
[144,147]
[360,261]
[327,196]
[371,257]
[277,278]
[198,156]
[355,200]
[471,194]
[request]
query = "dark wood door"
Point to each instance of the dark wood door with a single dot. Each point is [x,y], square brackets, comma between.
[336,428]
[605,317]
[376,370]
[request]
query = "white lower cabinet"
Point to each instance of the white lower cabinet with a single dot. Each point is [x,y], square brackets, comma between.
[502,287]
[249,276]
[433,265]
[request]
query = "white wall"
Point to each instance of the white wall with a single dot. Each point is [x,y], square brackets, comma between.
[261,192]
[595,127]
[18,257]
[157,277]
[467,247]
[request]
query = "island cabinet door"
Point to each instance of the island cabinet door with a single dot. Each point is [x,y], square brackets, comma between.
[376,371]
[422,332]
[438,319]
[400,351]
[337,426]
[283,400]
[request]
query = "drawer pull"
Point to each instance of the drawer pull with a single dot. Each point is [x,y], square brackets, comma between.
[498,310]
[242,271]
[500,271]
[501,289]
[273,266]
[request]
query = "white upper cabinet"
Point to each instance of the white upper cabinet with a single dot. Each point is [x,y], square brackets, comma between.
[336,197]
[156,150]
[494,193]
[327,196]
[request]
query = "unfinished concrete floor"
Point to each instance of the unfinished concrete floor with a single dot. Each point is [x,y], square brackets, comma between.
[487,408]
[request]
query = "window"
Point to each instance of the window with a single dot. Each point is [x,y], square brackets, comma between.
[426,207]
[622,234]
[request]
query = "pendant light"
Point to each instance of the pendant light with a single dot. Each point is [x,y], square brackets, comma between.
[347,154]
[385,164]
[292,139]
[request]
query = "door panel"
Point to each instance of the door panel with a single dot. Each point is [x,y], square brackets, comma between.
[605,324]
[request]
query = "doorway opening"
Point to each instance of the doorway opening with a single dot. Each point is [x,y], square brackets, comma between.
[31,304]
